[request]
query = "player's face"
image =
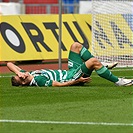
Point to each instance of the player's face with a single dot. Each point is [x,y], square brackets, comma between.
[25,80]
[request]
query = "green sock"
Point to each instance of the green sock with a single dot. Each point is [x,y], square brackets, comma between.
[85,54]
[105,73]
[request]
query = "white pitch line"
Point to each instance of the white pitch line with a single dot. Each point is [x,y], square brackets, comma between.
[66,123]
[6,76]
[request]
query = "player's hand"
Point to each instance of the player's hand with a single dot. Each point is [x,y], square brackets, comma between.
[84,80]
[21,75]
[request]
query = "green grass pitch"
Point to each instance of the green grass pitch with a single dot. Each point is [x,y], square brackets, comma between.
[98,107]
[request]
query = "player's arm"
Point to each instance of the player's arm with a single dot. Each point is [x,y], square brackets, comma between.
[13,68]
[72,82]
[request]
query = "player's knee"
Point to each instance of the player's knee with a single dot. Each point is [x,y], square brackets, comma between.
[95,62]
[76,46]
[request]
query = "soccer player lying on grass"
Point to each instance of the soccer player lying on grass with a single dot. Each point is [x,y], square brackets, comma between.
[80,62]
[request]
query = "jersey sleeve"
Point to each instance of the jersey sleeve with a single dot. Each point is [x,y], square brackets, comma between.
[22,70]
[43,81]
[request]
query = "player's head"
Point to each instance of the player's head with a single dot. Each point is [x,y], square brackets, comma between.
[15,81]
[18,81]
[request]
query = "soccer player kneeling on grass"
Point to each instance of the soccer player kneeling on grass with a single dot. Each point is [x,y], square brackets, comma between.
[81,63]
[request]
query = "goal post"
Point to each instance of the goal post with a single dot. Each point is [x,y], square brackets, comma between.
[112,31]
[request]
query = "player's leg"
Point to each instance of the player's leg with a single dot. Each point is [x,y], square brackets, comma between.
[79,54]
[102,71]
[85,55]
[81,50]
[93,64]
[74,59]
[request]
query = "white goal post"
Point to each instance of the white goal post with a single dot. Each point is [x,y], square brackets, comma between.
[112,31]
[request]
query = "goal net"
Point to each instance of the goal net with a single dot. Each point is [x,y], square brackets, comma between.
[112,31]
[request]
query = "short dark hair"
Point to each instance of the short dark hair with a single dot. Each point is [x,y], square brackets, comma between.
[15,82]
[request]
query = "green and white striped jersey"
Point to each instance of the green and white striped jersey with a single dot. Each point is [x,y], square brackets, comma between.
[45,77]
